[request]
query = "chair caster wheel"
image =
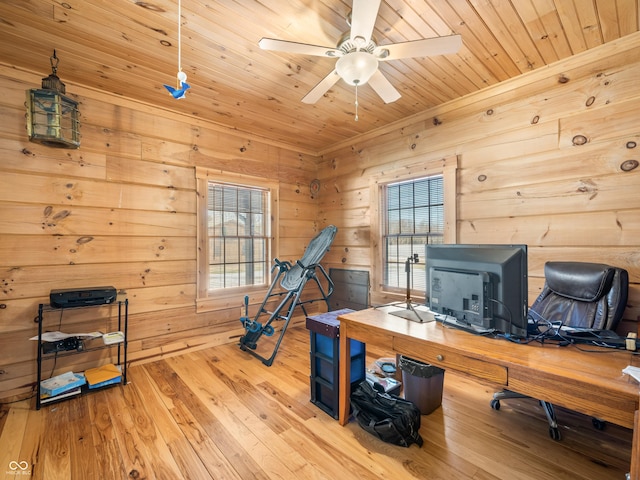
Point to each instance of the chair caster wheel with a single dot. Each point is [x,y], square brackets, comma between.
[495,404]
[554,433]
[598,424]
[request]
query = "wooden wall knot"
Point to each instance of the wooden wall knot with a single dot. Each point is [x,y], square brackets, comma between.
[588,186]
[83,240]
[61,215]
[629,165]
[579,140]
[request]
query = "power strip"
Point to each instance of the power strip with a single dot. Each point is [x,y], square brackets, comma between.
[630,342]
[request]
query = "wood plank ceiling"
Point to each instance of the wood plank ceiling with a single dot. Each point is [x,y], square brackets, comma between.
[130,48]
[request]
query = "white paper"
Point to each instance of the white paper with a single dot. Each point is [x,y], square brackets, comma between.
[57,336]
[633,372]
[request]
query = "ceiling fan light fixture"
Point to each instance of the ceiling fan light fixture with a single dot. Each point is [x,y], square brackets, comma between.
[358,54]
[356,68]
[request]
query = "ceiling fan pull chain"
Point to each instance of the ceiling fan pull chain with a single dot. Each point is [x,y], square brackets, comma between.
[356,102]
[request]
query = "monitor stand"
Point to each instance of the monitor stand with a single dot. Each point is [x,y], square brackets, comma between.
[410,312]
[414,314]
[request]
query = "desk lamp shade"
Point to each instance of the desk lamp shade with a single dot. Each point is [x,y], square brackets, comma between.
[52,118]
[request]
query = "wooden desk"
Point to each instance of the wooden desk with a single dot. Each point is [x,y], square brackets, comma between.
[592,384]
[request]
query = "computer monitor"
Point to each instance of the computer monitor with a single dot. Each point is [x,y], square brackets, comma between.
[481,285]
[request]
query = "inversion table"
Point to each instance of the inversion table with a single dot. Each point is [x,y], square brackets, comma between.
[293,279]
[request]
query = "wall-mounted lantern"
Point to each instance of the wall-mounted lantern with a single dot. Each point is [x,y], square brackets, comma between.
[52,118]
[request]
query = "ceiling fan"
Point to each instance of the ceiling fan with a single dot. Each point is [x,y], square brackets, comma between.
[358,53]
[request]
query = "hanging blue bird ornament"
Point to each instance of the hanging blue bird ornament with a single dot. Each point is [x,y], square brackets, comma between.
[183,86]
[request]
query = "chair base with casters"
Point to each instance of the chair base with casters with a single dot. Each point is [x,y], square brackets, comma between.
[292,280]
[549,411]
[575,294]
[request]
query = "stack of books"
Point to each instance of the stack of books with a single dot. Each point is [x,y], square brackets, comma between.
[102,376]
[61,386]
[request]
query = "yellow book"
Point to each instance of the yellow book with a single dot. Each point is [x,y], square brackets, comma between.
[102,374]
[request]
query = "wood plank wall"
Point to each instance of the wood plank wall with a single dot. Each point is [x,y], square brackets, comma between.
[522,178]
[121,211]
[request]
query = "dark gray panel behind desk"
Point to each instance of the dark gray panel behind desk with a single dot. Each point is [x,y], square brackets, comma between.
[351,289]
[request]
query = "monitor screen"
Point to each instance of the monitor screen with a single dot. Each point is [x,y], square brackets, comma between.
[482,285]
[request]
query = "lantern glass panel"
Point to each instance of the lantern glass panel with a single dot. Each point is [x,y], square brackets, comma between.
[52,119]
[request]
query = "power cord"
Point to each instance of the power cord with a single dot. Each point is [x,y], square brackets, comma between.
[31,395]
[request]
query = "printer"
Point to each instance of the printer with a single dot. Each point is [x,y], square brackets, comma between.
[82,297]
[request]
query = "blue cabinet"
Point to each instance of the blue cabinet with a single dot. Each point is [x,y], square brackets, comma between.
[325,360]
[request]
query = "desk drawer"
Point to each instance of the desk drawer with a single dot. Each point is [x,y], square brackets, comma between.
[451,360]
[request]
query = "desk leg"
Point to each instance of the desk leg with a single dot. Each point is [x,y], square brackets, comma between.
[635,450]
[344,381]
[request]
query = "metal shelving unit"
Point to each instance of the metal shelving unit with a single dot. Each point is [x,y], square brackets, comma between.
[123,321]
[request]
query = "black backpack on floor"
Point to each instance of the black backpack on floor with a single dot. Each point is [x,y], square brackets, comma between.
[390,418]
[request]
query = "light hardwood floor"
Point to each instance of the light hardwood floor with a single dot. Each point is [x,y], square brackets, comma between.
[220,414]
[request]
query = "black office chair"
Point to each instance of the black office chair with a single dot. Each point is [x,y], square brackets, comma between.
[575,294]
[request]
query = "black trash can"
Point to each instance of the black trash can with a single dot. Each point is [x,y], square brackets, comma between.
[422,384]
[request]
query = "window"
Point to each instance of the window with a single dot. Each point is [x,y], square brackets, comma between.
[413,217]
[236,239]
[238,235]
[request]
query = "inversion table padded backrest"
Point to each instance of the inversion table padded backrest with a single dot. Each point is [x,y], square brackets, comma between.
[316,249]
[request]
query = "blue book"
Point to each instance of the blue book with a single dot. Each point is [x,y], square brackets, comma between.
[111,381]
[61,383]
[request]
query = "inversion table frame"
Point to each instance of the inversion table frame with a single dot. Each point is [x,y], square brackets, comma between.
[293,279]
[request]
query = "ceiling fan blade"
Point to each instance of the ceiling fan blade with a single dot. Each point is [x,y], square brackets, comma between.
[363,18]
[321,88]
[295,47]
[383,87]
[419,48]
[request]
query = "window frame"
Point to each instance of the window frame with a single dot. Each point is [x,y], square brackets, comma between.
[447,167]
[206,298]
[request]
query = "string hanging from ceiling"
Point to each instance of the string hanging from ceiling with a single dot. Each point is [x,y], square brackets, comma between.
[182,86]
